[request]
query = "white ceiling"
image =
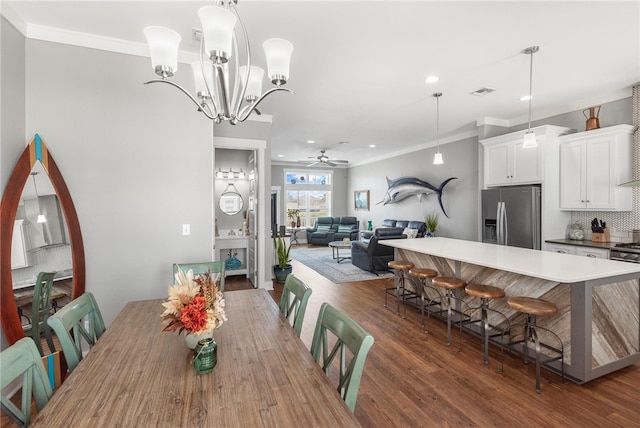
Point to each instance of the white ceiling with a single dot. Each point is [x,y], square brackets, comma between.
[358,67]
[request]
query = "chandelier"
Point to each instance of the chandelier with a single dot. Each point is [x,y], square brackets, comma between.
[224,89]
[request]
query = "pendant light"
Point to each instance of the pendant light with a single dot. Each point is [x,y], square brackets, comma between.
[437,158]
[41,217]
[530,137]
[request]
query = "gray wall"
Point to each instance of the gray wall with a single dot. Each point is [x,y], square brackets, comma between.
[137,170]
[460,196]
[12,109]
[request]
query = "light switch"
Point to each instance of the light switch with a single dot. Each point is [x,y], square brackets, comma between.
[186,229]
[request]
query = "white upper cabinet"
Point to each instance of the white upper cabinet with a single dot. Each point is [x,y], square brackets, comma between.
[507,163]
[592,165]
[20,257]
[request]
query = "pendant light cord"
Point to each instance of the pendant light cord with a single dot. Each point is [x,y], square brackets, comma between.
[530,85]
[438,122]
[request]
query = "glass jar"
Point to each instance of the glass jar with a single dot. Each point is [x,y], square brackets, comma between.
[575,232]
[205,355]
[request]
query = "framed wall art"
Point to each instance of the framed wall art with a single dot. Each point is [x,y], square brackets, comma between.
[361,200]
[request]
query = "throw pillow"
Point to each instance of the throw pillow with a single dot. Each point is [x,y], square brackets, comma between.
[323,228]
[411,233]
[344,228]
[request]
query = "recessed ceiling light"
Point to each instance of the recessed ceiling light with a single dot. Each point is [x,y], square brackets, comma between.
[526,97]
[372,145]
[310,142]
[431,79]
[280,156]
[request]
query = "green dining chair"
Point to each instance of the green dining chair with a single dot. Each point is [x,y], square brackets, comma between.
[71,318]
[202,267]
[348,334]
[40,310]
[293,303]
[22,360]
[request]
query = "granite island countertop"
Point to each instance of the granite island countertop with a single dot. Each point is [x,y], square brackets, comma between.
[562,268]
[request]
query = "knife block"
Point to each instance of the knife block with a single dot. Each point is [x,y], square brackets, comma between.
[601,237]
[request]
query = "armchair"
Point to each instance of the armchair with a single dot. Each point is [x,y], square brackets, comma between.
[373,256]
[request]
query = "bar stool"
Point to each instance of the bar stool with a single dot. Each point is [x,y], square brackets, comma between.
[400,271]
[449,284]
[533,307]
[485,293]
[421,276]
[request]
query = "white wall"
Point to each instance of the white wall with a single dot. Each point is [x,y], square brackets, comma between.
[137,160]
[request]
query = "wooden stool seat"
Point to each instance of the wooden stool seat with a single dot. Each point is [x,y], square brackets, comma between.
[422,273]
[400,264]
[448,282]
[484,291]
[532,306]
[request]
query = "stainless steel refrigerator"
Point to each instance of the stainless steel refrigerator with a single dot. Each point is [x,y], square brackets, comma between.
[511,216]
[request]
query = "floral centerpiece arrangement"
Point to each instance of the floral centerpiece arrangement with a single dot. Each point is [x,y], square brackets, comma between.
[195,304]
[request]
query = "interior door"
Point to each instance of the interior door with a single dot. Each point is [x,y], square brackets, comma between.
[252,256]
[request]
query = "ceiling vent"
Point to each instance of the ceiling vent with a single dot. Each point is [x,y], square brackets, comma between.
[482,91]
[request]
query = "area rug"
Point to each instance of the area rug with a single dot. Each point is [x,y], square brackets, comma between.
[321,260]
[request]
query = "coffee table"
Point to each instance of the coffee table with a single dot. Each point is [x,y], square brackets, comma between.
[336,246]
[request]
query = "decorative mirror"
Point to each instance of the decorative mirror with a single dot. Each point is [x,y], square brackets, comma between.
[36,152]
[231,201]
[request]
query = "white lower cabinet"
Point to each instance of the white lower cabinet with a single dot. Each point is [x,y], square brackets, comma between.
[578,250]
[562,249]
[596,253]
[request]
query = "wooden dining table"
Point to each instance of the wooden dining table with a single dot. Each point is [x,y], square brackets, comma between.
[138,375]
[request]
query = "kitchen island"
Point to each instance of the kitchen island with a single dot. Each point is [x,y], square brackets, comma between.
[598,300]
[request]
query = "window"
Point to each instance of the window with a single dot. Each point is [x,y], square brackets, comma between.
[310,193]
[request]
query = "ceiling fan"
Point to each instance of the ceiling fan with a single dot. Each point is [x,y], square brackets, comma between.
[324,159]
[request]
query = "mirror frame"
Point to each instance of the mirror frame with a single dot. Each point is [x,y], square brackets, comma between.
[35,151]
[231,192]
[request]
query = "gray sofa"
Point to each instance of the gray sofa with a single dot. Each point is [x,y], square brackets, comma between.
[328,229]
[420,226]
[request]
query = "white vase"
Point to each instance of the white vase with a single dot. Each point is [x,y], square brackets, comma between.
[191,340]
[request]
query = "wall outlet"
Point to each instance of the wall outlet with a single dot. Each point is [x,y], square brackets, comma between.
[186,229]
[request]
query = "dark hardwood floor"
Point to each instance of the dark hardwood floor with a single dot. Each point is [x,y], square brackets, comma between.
[412,379]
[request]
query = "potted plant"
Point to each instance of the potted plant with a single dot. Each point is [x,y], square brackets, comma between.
[294,215]
[431,223]
[282,268]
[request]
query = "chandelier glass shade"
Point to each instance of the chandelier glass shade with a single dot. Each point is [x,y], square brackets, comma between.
[225,90]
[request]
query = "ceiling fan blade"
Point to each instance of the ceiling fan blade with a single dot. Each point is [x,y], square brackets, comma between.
[339,161]
[314,163]
[330,163]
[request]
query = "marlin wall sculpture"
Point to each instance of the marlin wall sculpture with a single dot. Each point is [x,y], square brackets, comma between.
[403,187]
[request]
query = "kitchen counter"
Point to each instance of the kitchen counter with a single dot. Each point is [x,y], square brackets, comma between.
[61,275]
[565,268]
[584,243]
[598,300]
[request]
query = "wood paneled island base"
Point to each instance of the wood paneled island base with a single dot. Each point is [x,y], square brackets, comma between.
[598,302]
